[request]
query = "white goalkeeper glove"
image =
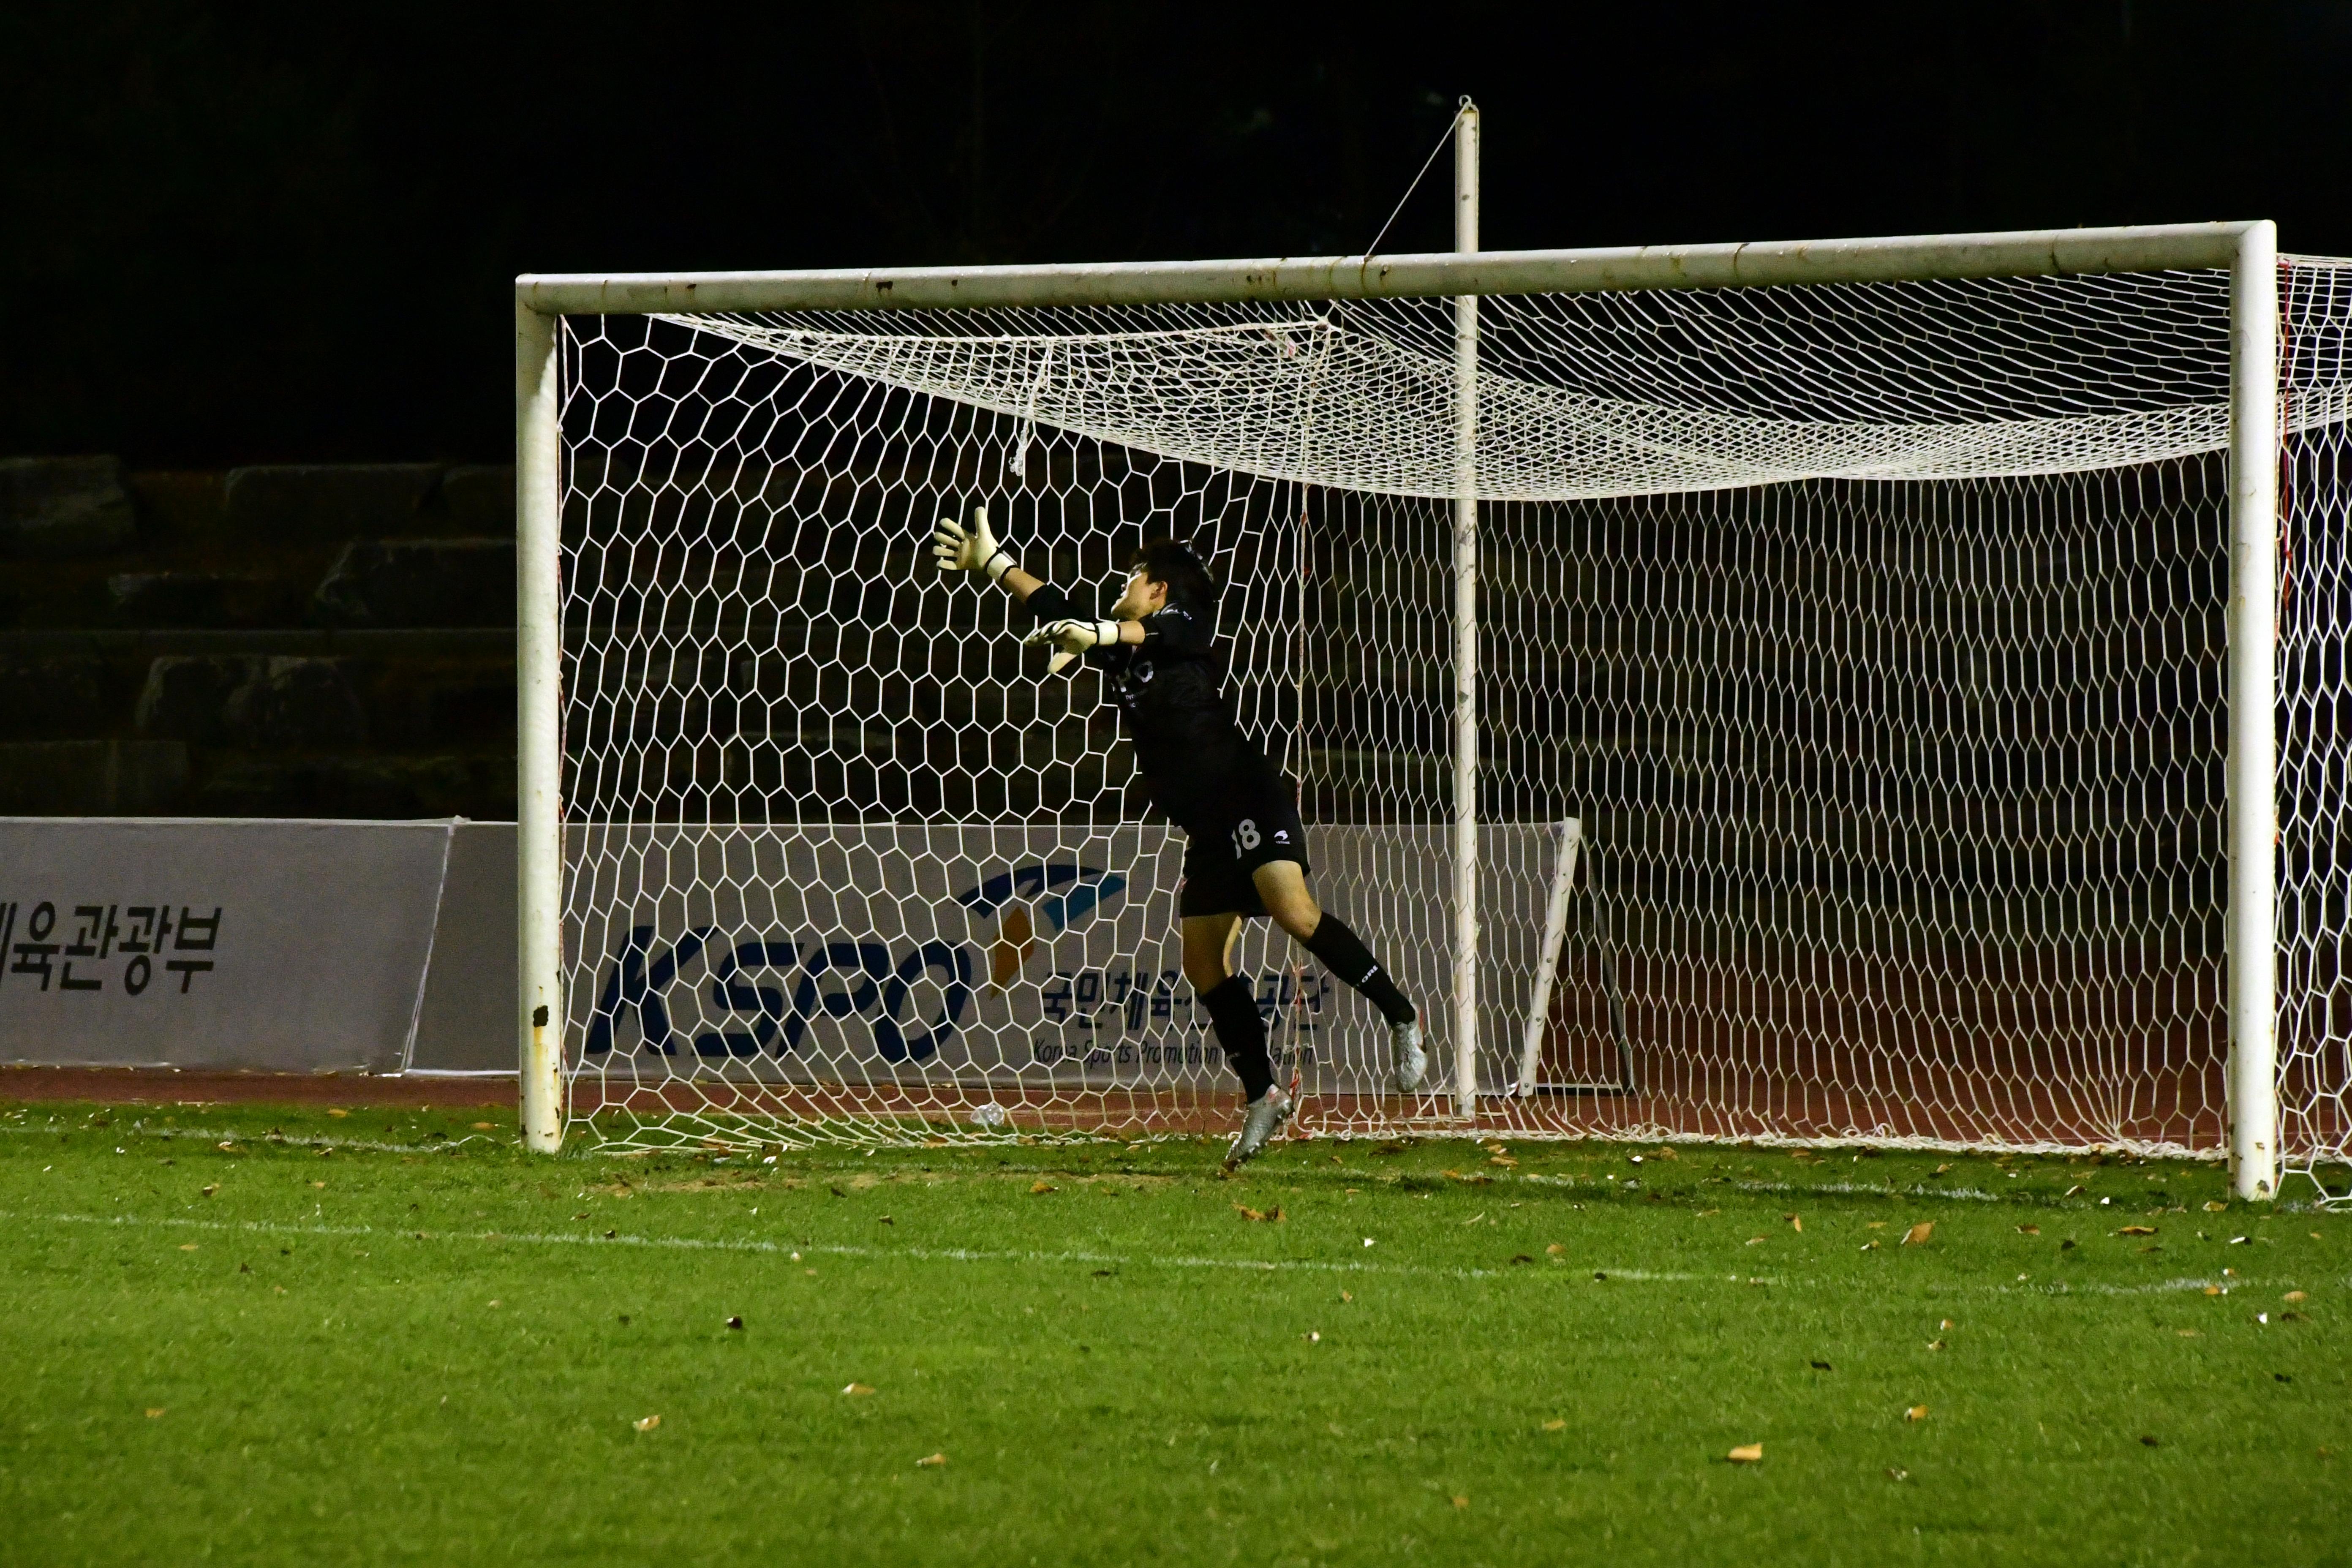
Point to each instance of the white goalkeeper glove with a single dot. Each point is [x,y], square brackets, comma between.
[959,549]
[1071,638]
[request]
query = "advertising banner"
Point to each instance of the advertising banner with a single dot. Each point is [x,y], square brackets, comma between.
[1040,955]
[285,946]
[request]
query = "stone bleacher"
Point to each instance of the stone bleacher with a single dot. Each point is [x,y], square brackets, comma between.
[300,640]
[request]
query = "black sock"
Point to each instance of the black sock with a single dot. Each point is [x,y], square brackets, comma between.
[1345,955]
[1232,1007]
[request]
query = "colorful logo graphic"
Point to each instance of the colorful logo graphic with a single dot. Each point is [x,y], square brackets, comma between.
[773,987]
[1058,895]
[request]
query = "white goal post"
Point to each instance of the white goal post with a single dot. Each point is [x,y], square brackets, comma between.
[2250,1005]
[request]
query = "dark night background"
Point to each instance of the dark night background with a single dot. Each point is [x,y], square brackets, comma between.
[272,232]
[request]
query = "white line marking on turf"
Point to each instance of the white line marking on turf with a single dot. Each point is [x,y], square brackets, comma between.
[972,1255]
[216,1136]
[722,1244]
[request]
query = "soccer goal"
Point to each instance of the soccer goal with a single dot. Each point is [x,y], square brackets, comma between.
[1862,691]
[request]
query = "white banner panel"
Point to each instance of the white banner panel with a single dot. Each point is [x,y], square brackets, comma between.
[1037,955]
[284,947]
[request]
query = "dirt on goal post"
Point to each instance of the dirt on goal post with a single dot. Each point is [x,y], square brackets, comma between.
[1851,698]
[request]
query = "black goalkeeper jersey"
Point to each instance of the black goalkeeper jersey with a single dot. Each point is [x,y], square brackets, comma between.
[1187,745]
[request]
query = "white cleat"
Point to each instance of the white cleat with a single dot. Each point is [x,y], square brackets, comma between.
[1260,1121]
[1411,1064]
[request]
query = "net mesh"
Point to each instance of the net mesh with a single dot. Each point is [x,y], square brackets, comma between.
[1854,652]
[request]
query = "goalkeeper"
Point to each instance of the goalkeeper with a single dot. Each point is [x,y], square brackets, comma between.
[1245,849]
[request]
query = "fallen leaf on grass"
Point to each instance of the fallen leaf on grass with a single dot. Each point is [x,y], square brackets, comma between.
[1754,1240]
[2213,1205]
[2212,1289]
[187,1247]
[2029,1230]
[858,1388]
[1346,1296]
[1920,1233]
[2189,1333]
[153,1411]
[1796,1222]
[1461,1502]
[337,1110]
[2137,1230]
[1554,1250]
[1270,1217]
[647,1424]
[1555,1425]
[1947,1323]
[1746,1454]
[1663,1154]
[1874,1224]
[1036,1187]
[1935,1344]
[933,1460]
[1916,1413]
[491,1127]
[2297,1296]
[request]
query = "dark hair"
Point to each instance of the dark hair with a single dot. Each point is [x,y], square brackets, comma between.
[1189,583]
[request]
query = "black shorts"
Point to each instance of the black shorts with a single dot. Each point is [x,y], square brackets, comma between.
[1254,820]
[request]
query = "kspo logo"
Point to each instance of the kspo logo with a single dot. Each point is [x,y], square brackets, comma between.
[780,985]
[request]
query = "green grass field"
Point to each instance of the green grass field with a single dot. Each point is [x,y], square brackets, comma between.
[261,1336]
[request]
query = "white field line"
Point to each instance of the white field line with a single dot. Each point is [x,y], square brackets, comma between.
[1867,1190]
[2180,1286]
[1592,1184]
[217,1136]
[776,1248]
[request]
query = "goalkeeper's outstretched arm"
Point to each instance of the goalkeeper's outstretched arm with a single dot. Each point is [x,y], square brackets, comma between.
[959,547]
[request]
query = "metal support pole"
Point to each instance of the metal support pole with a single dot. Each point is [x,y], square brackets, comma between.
[1466,626]
[1555,936]
[539,728]
[2252,931]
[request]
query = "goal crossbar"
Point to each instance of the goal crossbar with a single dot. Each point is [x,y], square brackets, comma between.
[2247,250]
[2026,254]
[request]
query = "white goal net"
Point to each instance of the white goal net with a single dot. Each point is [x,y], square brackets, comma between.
[1852,656]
